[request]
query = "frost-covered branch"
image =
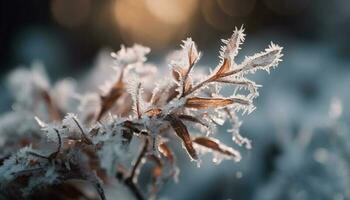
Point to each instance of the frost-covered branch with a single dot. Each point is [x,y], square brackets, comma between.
[93,145]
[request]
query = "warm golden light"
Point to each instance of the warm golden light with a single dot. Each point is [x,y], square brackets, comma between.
[170,11]
[214,16]
[154,23]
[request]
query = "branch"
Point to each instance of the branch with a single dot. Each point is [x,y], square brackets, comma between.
[134,172]
[211,79]
[131,181]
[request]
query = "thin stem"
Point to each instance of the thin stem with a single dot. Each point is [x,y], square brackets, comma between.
[132,179]
[212,78]
[54,154]
[82,131]
[142,154]
[134,189]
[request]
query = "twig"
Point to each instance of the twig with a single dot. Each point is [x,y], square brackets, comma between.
[211,79]
[54,154]
[132,179]
[86,139]
[134,173]
[134,189]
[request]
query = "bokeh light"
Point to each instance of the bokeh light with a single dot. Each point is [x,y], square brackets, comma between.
[70,13]
[214,16]
[154,23]
[172,12]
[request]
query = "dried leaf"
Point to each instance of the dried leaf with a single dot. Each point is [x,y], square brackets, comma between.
[193,54]
[181,131]
[178,72]
[205,103]
[264,60]
[225,67]
[232,45]
[215,145]
[229,52]
[153,112]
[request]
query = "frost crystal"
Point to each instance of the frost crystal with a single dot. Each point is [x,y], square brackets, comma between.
[138,107]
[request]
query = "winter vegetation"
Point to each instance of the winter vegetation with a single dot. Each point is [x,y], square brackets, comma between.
[313,164]
[61,143]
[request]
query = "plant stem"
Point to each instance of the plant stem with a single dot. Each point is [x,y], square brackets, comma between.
[131,181]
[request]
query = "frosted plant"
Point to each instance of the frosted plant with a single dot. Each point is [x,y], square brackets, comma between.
[94,144]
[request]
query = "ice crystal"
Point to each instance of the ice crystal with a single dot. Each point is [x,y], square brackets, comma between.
[133,110]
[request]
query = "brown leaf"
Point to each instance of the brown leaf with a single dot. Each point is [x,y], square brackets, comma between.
[205,103]
[178,73]
[193,54]
[215,145]
[153,112]
[181,131]
[225,67]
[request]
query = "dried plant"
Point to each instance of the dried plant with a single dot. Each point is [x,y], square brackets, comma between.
[89,146]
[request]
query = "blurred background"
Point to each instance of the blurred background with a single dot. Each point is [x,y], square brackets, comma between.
[298,99]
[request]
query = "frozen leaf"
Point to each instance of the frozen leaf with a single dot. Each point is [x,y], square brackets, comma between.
[205,103]
[189,48]
[264,60]
[181,131]
[232,45]
[216,146]
[93,147]
[229,51]
[136,91]
[153,112]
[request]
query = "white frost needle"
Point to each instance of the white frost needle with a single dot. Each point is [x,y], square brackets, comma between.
[140,103]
